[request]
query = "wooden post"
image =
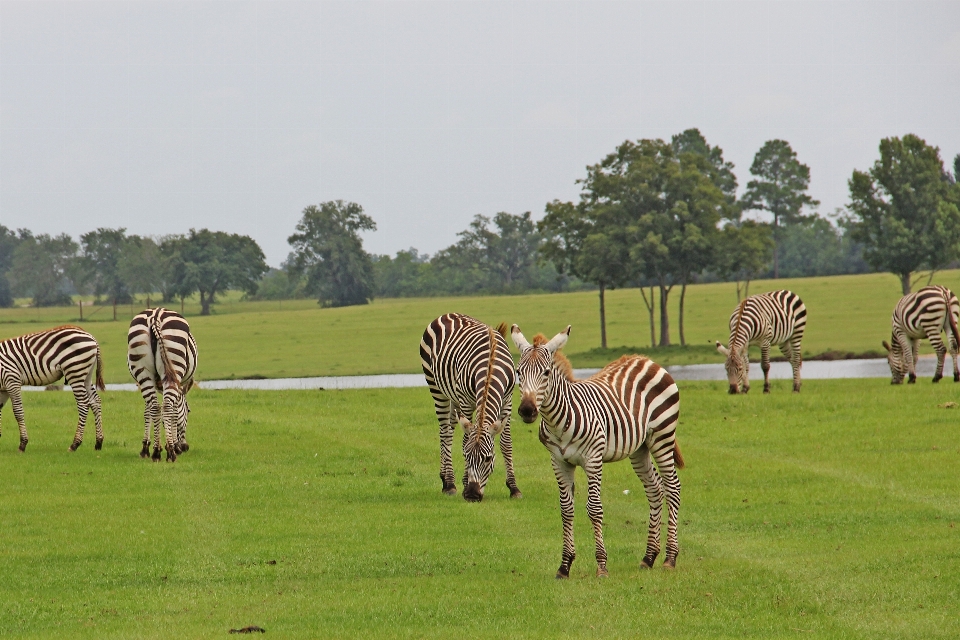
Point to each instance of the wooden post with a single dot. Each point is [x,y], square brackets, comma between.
[114,309]
[603,320]
[81,309]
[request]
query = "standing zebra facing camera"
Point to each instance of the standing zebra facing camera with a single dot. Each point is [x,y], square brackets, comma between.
[42,358]
[162,356]
[629,409]
[470,373]
[776,317]
[923,314]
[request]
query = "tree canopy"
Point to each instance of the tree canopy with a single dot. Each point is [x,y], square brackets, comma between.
[905,209]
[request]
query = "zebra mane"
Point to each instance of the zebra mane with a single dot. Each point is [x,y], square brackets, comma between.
[502,329]
[736,329]
[563,365]
[482,409]
[539,340]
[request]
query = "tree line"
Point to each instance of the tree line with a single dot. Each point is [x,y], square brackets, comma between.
[652,214]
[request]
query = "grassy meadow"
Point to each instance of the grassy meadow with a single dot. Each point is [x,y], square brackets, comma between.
[830,514]
[297,338]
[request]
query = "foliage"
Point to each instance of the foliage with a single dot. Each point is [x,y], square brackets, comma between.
[43,268]
[328,251]
[8,245]
[743,252]
[278,284]
[141,266]
[212,262]
[720,171]
[780,189]
[101,252]
[905,209]
[816,247]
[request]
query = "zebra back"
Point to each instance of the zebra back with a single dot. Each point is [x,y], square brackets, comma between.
[168,333]
[43,356]
[780,315]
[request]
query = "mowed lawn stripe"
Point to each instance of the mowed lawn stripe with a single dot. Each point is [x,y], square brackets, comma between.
[827,513]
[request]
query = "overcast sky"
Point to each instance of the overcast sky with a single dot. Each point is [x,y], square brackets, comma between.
[162,116]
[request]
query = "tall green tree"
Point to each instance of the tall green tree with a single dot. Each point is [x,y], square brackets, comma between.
[582,240]
[905,209]
[719,170]
[213,262]
[43,267]
[8,245]
[101,252]
[780,188]
[744,251]
[328,250]
[141,266]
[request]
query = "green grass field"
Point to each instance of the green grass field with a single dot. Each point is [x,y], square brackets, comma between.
[297,338]
[831,514]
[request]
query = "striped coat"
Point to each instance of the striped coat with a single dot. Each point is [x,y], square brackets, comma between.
[469,370]
[919,315]
[162,357]
[777,317]
[627,410]
[42,358]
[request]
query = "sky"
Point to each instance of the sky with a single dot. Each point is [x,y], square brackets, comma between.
[165,116]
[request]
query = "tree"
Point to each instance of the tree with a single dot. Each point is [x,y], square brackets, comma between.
[141,266]
[212,262]
[780,188]
[905,209]
[327,249]
[720,171]
[744,252]
[101,251]
[580,239]
[8,245]
[43,267]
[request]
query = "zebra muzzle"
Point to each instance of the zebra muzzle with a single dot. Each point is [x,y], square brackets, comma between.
[472,492]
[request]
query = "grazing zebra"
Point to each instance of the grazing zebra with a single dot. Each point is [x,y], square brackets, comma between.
[44,357]
[923,315]
[162,356]
[777,317]
[469,370]
[627,410]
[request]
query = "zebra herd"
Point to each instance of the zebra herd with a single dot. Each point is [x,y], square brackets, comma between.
[628,410]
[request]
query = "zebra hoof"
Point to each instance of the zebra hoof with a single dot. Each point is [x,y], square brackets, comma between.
[171,455]
[184,447]
[563,573]
[670,563]
[648,560]
[156,454]
[145,452]
[912,379]
[449,491]
[98,446]
[23,446]
[74,446]
[515,494]
[766,389]
[177,449]
[936,379]
[602,573]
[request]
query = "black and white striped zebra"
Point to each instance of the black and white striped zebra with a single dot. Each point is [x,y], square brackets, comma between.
[42,358]
[627,410]
[162,357]
[919,315]
[470,373]
[776,317]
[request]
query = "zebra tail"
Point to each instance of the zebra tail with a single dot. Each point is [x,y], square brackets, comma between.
[169,374]
[502,329]
[100,384]
[677,456]
[953,321]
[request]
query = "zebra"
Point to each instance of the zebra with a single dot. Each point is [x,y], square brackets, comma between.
[162,356]
[44,357]
[922,315]
[627,410]
[470,373]
[776,317]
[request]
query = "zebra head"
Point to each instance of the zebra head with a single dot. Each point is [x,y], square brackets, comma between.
[533,372]
[174,412]
[736,371]
[478,456]
[898,369]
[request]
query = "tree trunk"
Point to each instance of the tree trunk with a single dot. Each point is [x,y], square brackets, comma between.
[664,318]
[905,282]
[651,305]
[776,249]
[181,305]
[204,304]
[603,319]
[114,309]
[81,310]
[683,293]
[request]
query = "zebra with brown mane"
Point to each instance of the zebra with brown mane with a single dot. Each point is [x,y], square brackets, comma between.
[629,410]
[469,370]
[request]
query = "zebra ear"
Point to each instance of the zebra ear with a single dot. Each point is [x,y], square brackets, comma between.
[556,342]
[497,427]
[466,424]
[722,349]
[885,345]
[518,339]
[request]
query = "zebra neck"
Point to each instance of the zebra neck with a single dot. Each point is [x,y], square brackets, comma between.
[556,402]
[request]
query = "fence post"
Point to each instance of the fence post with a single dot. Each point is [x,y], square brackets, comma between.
[114,309]
[81,309]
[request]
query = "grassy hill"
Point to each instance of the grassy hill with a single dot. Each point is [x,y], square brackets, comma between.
[297,338]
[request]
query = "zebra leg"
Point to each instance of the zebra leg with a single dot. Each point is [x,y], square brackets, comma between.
[446,459]
[170,423]
[665,462]
[915,355]
[746,368]
[563,470]
[953,355]
[506,450]
[151,416]
[643,467]
[594,471]
[83,408]
[97,407]
[933,334]
[16,401]
[157,430]
[765,365]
